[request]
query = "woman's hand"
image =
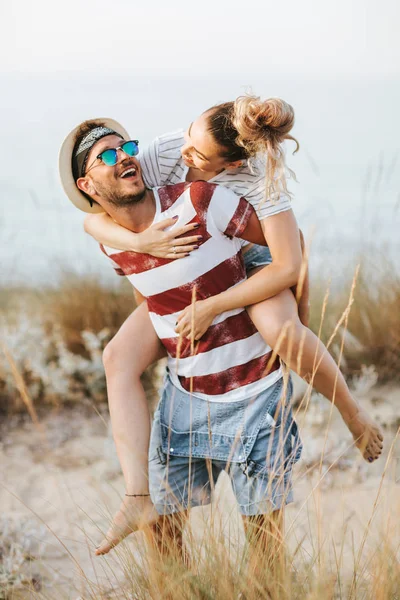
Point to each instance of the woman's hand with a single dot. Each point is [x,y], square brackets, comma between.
[154,240]
[201,314]
[167,244]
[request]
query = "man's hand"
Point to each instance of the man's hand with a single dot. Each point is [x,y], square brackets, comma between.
[200,314]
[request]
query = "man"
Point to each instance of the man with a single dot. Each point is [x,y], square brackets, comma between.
[224,404]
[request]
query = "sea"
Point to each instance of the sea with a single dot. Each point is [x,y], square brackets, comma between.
[346,198]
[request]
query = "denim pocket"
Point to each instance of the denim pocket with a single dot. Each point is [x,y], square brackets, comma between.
[277,444]
[226,431]
[257,256]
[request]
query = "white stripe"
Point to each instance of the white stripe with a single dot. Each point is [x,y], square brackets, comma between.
[241,393]
[222,207]
[222,358]
[184,271]
[165,325]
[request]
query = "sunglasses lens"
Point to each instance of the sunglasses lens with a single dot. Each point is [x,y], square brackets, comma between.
[109,157]
[131,148]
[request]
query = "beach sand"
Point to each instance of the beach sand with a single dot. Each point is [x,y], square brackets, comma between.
[63,483]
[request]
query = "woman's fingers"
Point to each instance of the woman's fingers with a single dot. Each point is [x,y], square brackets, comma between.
[193,239]
[165,223]
[186,332]
[181,249]
[181,316]
[174,255]
[178,230]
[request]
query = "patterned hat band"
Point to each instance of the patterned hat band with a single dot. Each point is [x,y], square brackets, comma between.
[81,152]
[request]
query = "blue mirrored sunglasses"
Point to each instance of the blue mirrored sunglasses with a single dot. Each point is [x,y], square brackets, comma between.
[110,156]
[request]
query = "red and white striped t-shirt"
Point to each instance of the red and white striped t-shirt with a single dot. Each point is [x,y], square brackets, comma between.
[229,362]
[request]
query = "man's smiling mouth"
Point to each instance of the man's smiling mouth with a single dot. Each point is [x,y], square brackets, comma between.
[129,173]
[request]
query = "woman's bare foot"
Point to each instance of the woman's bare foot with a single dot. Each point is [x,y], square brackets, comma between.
[134,514]
[367,434]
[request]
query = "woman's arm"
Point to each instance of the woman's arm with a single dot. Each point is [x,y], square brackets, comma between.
[154,240]
[282,235]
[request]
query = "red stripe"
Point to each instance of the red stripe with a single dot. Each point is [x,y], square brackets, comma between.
[215,281]
[235,328]
[170,193]
[201,230]
[231,379]
[240,219]
[201,193]
[133,263]
[118,271]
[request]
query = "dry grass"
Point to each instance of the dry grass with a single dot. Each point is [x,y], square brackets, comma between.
[358,560]
[223,564]
[20,542]
[70,323]
[77,303]
[373,332]
[52,340]
[82,304]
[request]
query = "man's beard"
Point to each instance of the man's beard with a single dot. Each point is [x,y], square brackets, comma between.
[117,199]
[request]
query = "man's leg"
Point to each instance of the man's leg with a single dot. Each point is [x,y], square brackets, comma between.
[177,483]
[166,537]
[263,486]
[165,551]
[265,535]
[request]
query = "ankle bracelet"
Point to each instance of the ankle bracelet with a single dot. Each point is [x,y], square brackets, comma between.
[135,495]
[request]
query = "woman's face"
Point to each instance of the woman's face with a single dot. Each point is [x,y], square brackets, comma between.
[200,151]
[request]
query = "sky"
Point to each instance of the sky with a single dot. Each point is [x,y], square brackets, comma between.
[155,66]
[347,38]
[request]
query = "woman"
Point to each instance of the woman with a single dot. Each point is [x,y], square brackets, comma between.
[224,146]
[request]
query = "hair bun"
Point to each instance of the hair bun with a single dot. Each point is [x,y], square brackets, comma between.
[262,126]
[274,116]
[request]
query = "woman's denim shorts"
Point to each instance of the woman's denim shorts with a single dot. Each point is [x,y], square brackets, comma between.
[257,256]
[255,441]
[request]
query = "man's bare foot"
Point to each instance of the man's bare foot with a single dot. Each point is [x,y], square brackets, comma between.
[134,514]
[367,434]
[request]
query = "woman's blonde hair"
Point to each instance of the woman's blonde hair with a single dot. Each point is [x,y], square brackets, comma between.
[249,127]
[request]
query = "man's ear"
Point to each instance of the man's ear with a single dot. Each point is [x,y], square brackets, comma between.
[86,185]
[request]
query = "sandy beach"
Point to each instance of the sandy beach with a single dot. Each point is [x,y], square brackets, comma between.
[63,483]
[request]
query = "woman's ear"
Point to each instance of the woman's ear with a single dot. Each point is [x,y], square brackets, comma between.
[234,165]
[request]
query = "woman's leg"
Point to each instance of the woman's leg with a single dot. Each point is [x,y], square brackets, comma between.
[125,358]
[302,351]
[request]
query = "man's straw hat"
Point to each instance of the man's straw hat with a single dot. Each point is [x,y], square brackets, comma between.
[65,167]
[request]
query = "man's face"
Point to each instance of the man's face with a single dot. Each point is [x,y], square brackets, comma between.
[119,185]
